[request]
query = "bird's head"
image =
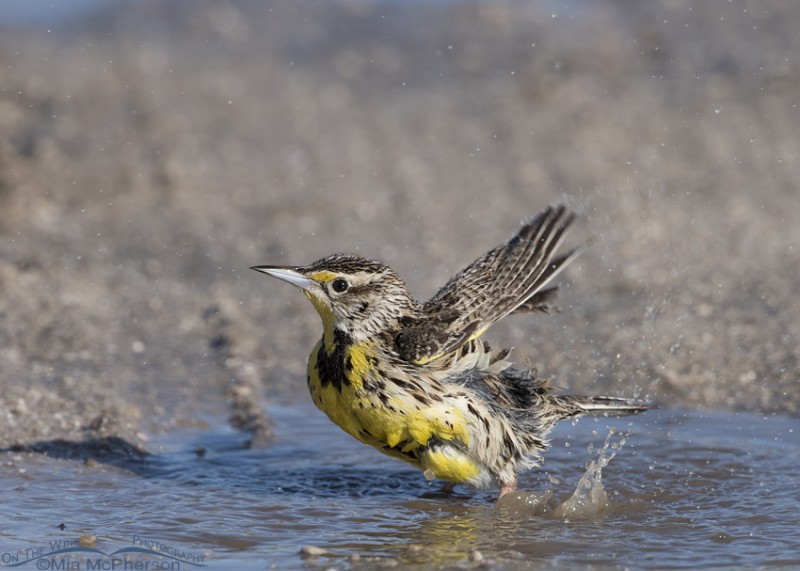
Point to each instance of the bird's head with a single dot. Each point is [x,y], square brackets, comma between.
[360,297]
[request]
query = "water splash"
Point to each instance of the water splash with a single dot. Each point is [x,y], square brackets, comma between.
[526,503]
[590,499]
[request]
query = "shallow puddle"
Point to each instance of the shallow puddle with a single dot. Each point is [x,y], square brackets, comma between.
[666,489]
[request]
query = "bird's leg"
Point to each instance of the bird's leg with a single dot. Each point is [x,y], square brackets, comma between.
[448,488]
[507,487]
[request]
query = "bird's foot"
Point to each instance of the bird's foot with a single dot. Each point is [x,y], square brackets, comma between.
[507,488]
[445,490]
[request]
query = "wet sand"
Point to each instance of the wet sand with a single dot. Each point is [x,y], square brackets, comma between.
[152,153]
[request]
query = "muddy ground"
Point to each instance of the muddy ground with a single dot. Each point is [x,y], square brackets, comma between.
[151,153]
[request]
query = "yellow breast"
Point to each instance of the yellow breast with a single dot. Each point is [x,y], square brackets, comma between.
[345,386]
[340,386]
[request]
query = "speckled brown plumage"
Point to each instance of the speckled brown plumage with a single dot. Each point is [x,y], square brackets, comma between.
[416,382]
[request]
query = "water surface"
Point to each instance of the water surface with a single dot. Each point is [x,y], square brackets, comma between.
[684,490]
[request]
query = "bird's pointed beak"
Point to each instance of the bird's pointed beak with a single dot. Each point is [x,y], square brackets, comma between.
[287,274]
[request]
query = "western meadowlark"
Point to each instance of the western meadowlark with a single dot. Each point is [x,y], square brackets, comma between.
[415,381]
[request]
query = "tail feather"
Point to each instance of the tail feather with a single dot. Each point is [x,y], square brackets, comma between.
[604,406]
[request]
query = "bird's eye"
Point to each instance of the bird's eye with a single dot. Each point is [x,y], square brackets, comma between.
[340,285]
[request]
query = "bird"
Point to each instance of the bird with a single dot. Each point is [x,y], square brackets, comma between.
[419,383]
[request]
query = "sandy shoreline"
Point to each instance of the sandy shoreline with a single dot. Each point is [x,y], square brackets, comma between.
[150,155]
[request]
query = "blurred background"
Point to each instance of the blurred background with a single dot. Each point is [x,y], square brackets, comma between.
[151,151]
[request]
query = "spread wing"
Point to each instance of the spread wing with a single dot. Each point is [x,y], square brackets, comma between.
[509,278]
